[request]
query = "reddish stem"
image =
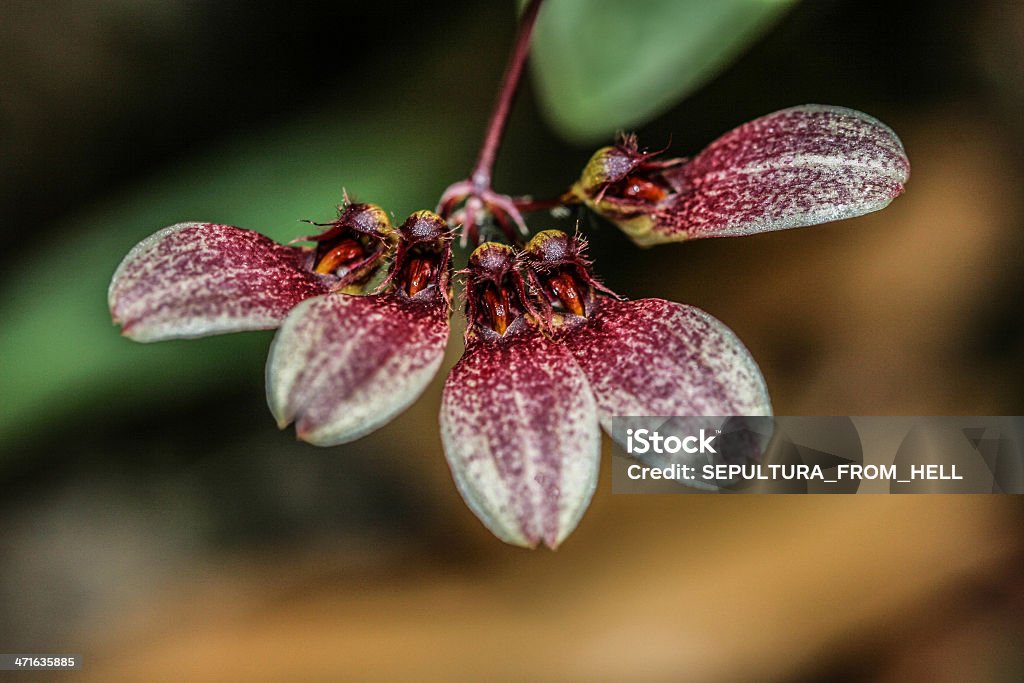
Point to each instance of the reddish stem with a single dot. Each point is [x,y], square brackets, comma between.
[481,175]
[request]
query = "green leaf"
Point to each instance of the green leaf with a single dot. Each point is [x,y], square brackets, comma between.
[602,65]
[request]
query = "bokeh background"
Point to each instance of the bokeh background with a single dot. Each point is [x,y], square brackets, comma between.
[154,520]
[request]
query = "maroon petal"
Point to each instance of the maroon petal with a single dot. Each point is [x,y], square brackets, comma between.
[521,435]
[198,279]
[341,366]
[797,167]
[658,358]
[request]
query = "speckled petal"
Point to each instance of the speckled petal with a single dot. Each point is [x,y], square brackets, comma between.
[197,279]
[654,357]
[341,366]
[796,167]
[521,435]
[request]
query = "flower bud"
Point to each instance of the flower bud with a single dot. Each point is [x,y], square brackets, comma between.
[608,165]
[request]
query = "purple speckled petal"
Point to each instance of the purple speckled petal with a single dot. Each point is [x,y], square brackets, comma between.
[655,357]
[197,279]
[521,435]
[341,365]
[796,167]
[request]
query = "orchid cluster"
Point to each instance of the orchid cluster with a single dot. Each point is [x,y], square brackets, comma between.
[551,355]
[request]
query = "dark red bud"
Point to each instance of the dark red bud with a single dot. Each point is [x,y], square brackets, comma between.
[552,247]
[366,218]
[424,226]
[609,165]
[492,260]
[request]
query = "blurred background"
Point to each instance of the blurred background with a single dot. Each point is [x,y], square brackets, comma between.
[154,520]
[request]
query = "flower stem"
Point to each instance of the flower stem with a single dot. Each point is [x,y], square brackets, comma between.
[481,176]
[479,202]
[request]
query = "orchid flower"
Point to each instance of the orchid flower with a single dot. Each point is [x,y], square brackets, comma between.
[551,355]
[197,279]
[795,167]
[644,357]
[543,371]
[518,420]
[341,365]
